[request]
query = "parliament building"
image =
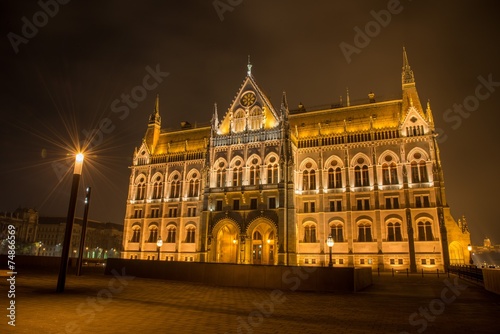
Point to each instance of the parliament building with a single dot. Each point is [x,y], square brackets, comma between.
[267,185]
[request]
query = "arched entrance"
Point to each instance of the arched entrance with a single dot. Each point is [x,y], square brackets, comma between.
[263,243]
[226,243]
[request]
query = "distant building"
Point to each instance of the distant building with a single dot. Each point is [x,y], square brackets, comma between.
[102,239]
[268,185]
[25,222]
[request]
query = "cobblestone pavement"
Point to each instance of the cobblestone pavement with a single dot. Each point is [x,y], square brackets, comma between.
[94,303]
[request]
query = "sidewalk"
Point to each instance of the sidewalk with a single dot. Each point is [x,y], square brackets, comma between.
[95,303]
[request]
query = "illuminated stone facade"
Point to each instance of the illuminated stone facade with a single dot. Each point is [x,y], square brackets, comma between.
[267,186]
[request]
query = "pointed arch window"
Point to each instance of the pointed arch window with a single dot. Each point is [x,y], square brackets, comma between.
[334,178]
[175,188]
[272,173]
[419,172]
[257,235]
[239,121]
[361,176]
[309,178]
[194,187]
[237,176]
[254,175]
[220,177]
[141,190]
[389,173]
[157,188]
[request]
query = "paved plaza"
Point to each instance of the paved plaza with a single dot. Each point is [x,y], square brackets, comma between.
[94,303]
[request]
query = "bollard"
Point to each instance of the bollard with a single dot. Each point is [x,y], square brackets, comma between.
[438,272]
[407,272]
[378,271]
[422,272]
[392,272]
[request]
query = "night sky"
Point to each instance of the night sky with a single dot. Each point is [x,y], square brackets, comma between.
[60,81]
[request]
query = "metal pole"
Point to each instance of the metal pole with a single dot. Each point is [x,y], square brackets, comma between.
[330,264]
[84,232]
[61,281]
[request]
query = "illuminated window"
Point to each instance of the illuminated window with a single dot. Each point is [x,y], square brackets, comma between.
[337,232]
[389,173]
[361,176]
[334,178]
[153,234]
[394,232]
[190,234]
[136,236]
[425,231]
[171,231]
[158,188]
[272,173]
[310,233]
[365,232]
[419,172]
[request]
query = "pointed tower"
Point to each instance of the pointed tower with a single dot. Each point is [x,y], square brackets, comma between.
[154,126]
[410,95]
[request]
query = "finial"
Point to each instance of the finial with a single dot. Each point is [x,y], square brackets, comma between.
[157,103]
[249,67]
[407,75]
[348,99]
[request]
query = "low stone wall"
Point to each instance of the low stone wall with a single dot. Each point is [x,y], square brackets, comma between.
[48,263]
[320,279]
[491,279]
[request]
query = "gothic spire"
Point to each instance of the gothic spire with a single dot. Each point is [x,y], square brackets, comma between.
[284,104]
[407,75]
[155,116]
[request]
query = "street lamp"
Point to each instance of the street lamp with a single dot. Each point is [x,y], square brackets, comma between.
[77,172]
[330,242]
[235,251]
[159,243]
[469,247]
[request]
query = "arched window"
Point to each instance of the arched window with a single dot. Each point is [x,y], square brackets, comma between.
[361,176]
[337,232]
[239,120]
[254,175]
[257,235]
[419,172]
[309,178]
[237,176]
[390,173]
[394,232]
[334,178]
[171,231]
[153,234]
[220,176]
[272,173]
[136,234]
[425,231]
[175,187]
[310,233]
[141,190]
[365,232]
[194,188]
[157,188]
[190,234]
[255,121]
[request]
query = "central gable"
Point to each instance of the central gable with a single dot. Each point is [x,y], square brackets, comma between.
[250,110]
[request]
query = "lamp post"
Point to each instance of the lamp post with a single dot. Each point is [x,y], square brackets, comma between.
[469,248]
[84,231]
[77,172]
[159,243]
[235,251]
[330,242]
